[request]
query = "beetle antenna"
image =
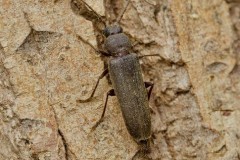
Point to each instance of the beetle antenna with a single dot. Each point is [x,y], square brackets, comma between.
[123,11]
[98,16]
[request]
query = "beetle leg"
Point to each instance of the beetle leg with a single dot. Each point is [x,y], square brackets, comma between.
[102,52]
[104,73]
[143,151]
[122,12]
[148,55]
[109,93]
[89,10]
[149,84]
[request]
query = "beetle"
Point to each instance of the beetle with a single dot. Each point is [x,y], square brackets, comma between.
[127,81]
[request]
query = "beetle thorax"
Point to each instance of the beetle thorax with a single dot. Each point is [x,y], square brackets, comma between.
[117,43]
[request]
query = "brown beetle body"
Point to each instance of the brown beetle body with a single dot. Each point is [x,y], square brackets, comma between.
[125,74]
[128,85]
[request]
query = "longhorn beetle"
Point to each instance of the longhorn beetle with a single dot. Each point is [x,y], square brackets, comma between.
[128,85]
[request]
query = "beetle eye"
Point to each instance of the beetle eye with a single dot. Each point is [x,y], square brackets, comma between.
[120,30]
[106,32]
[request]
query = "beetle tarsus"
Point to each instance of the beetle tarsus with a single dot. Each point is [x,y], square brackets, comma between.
[149,84]
[84,100]
[96,125]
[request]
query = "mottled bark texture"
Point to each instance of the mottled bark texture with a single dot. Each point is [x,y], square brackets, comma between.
[46,64]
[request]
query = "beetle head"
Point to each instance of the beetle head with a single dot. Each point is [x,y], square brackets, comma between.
[111,30]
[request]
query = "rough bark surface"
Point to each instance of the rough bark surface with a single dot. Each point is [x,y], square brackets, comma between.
[47,64]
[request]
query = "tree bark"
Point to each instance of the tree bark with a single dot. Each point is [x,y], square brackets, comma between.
[48,61]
